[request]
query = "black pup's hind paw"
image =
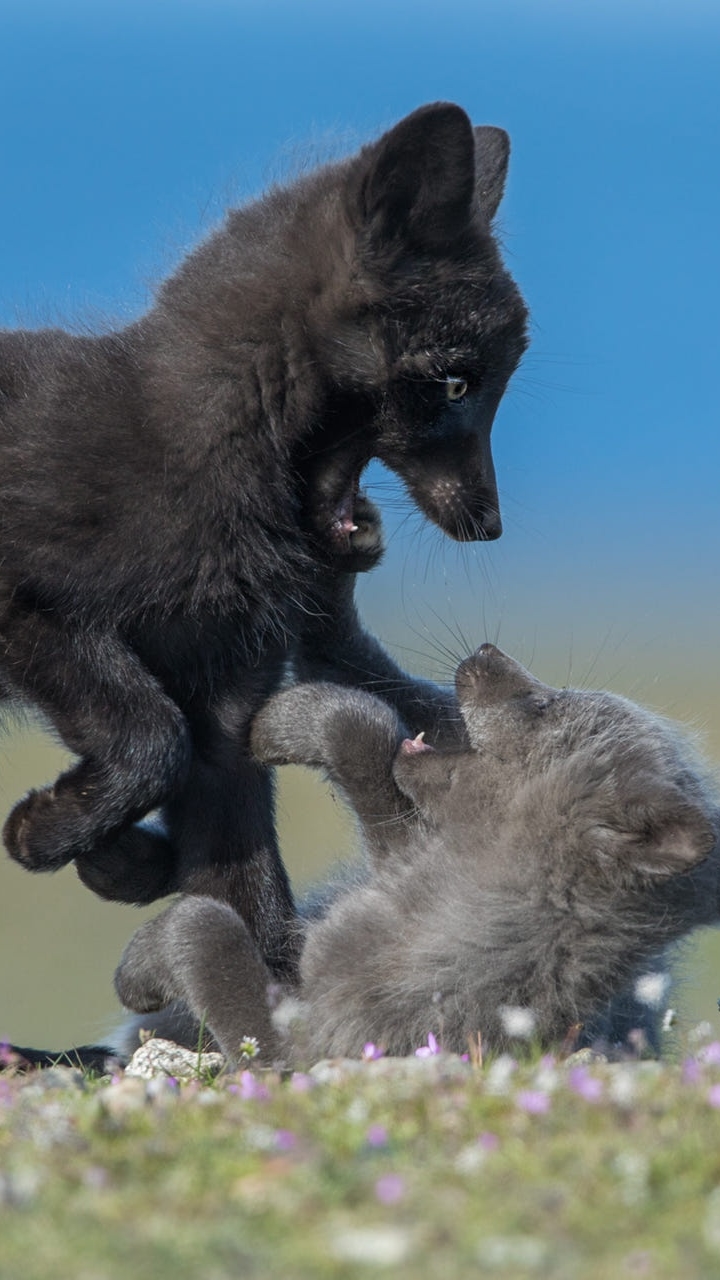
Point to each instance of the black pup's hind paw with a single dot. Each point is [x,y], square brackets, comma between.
[138,867]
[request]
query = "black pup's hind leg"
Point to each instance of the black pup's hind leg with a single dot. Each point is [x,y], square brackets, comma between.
[132,740]
[219,832]
[222,827]
[138,867]
[332,645]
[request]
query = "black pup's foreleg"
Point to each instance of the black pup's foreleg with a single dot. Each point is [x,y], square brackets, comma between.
[332,645]
[132,741]
[217,836]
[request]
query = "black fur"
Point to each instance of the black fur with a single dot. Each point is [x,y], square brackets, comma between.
[97,1058]
[545,864]
[176,497]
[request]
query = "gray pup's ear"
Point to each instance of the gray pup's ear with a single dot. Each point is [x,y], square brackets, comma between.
[660,830]
[492,155]
[419,186]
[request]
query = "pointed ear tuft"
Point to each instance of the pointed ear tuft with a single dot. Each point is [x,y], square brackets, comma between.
[492,155]
[421,177]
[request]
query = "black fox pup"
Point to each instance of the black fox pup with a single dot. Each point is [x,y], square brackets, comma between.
[178,498]
[544,866]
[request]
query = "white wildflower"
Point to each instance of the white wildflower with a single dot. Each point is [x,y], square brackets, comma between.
[500,1074]
[513,1253]
[517,1021]
[380,1246]
[652,988]
[633,1171]
[288,1012]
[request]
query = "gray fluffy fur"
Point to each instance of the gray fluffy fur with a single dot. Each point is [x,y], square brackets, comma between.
[546,862]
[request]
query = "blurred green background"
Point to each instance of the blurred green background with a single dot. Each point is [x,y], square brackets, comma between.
[126,128]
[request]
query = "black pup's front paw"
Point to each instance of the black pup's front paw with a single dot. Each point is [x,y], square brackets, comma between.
[366,544]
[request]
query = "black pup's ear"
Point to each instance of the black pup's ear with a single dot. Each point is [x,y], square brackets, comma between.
[661,831]
[421,180]
[492,154]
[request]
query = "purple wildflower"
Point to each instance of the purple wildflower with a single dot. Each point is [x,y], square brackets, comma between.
[371,1052]
[390,1188]
[377,1136]
[714,1095]
[251,1087]
[691,1071]
[488,1141]
[585,1085]
[535,1101]
[285,1140]
[300,1082]
[8,1057]
[710,1053]
[428,1050]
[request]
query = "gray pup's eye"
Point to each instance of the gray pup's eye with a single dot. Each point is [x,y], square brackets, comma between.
[455,388]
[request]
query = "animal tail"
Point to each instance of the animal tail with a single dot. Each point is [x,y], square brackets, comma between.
[86,1057]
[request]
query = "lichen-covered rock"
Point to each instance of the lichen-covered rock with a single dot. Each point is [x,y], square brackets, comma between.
[159,1057]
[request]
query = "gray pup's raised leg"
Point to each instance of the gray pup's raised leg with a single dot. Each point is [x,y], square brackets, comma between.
[354,736]
[199,951]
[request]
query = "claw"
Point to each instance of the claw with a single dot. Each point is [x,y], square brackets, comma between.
[411,746]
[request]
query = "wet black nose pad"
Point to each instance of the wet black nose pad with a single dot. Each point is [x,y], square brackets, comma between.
[491,523]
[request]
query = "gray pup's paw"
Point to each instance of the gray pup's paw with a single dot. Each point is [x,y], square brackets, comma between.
[288,729]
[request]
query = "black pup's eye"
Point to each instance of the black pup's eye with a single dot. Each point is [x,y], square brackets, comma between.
[455,388]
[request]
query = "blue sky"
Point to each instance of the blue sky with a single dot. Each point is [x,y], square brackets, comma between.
[127,128]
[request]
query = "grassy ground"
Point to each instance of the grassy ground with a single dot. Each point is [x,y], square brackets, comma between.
[419,1168]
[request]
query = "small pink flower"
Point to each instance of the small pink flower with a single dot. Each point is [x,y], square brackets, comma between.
[535,1101]
[251,1087]
[390,1188]
[371,1052]
[300,1082]
[585,1085]
[710,1053]
[377,1136]
[8,1057]
[430,1049]
[285,1140]
[691,1071]
[489,1141]
[714,1095]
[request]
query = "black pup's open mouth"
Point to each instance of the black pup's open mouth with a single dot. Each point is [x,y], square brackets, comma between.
[341,517]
